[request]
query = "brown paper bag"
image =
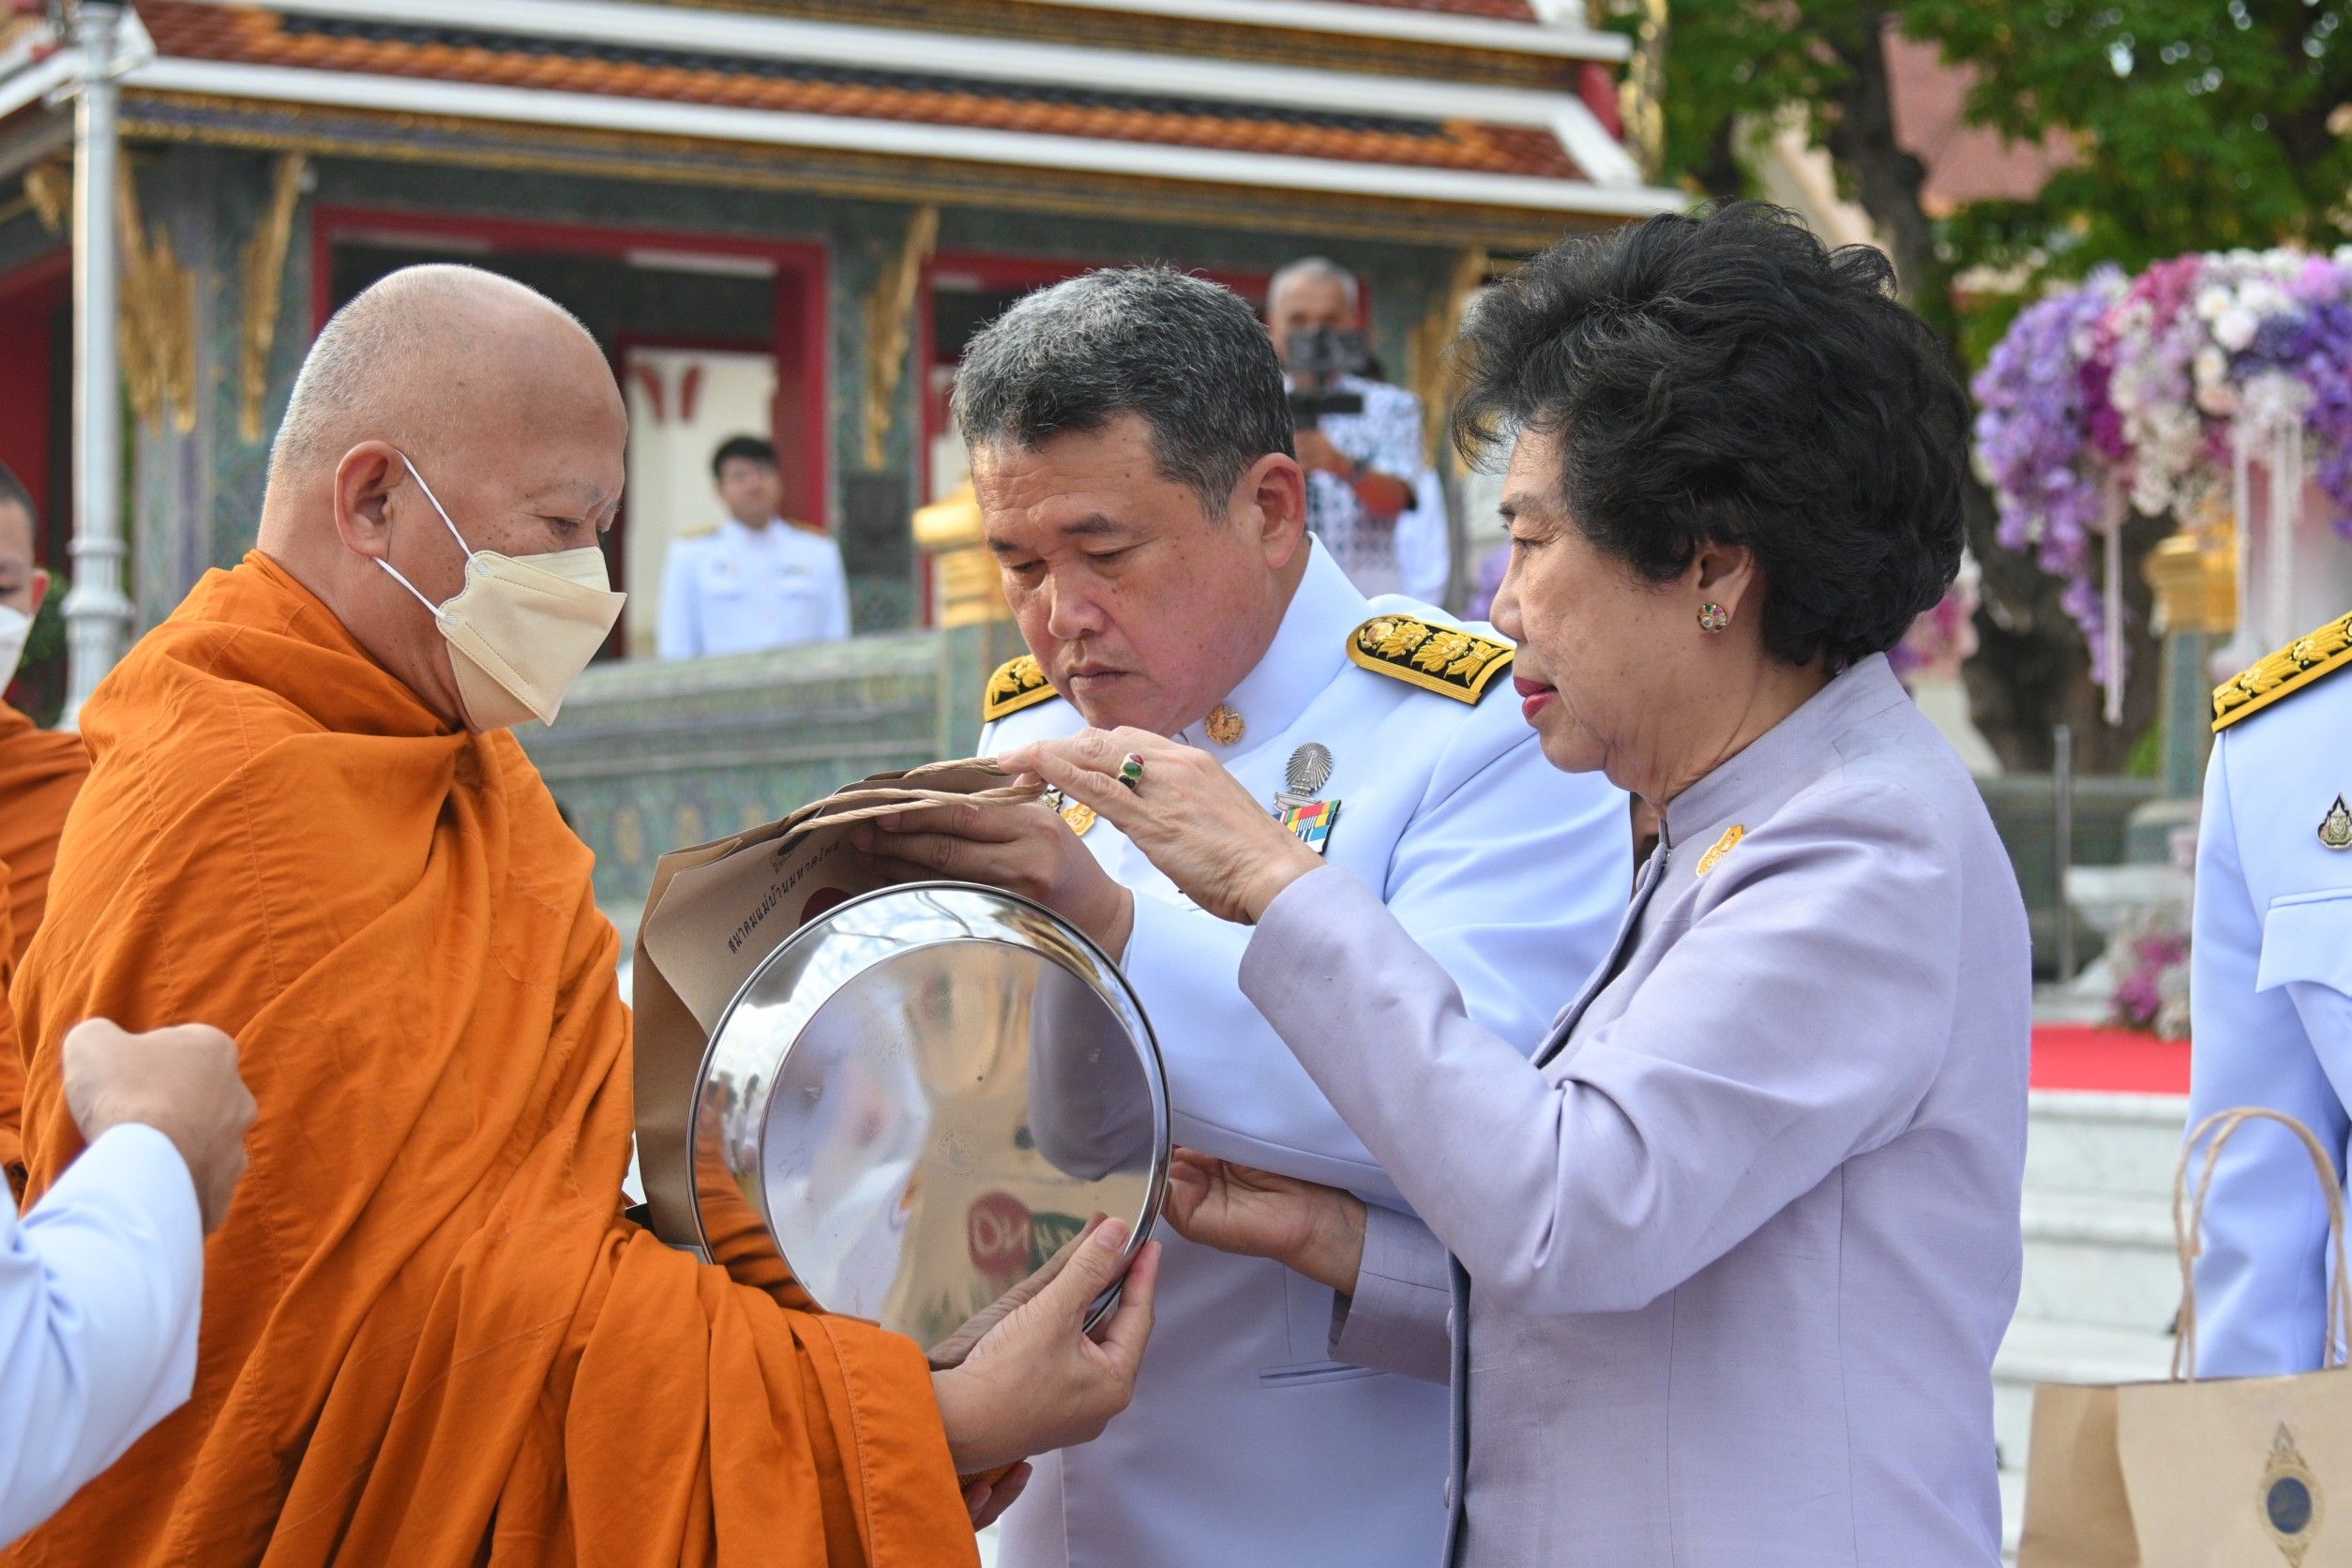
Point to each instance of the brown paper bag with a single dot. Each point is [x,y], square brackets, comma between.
[715,913]
[2223,1473]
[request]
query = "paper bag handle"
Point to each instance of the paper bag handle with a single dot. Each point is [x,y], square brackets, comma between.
[2188,1229]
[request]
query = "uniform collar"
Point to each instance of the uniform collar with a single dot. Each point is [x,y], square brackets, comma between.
[1301,662]
[1784,752]
[736,528]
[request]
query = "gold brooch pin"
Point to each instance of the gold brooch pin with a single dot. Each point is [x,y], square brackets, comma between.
[2335,828]
[1721,847]
[1225,725]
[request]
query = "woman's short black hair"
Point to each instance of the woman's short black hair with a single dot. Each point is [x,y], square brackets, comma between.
[1722,377]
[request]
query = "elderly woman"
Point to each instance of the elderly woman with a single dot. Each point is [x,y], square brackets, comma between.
[1731,1256]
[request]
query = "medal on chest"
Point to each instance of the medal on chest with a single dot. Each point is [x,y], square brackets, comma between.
[1305,818]
[2335,828]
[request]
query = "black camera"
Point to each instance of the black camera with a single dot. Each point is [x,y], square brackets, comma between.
[1318,358]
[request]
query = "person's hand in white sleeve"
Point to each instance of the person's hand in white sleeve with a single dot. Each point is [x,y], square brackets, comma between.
[100,1280]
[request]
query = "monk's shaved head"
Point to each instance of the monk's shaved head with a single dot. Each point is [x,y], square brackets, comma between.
[392,363]
[491,392]
[21,583]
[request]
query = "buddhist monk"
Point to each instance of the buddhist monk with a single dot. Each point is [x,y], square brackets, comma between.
[40,770]
[430,1336]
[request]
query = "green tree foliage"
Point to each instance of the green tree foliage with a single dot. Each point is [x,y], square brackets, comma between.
[2190,124]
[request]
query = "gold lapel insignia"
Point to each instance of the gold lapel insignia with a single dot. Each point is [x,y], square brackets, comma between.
[2297,665]
[1018,684]
[2335,828]
[1721,847]
[1224,724]
[2288,1498]
[1440,659]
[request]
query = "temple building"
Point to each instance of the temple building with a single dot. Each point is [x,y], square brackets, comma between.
[780,217]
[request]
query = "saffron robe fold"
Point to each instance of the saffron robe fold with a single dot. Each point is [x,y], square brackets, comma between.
[429,1337]
[40,772]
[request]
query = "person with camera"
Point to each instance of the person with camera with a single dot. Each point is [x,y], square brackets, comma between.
[1359,438]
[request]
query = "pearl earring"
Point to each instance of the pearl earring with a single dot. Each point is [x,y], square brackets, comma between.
[1712,617]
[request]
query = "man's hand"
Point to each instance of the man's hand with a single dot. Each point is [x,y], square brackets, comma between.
[1020,846]
[183,1083]
[1206,832]
[1034,1382]
[1317,1230]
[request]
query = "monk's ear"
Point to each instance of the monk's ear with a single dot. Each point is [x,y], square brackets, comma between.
[364,482]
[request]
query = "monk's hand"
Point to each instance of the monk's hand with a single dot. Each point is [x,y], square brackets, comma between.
[988,1499]
[183,1083]
[1035,1380]
[1196,822]
[1020,846]
[1315,1230]
[952,1350]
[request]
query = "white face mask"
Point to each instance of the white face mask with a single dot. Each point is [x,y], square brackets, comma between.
[15,628]
[523,628]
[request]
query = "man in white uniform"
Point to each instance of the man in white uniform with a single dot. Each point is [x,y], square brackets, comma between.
[756,582]
[2270,993]
[1131,451]
[99,1280]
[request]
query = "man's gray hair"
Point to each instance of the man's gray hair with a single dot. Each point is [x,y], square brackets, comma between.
[1184,355]
[1321,269]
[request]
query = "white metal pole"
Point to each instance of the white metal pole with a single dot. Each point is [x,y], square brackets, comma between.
[98,610]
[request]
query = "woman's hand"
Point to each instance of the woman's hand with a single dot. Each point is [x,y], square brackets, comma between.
[1207,834]
[1019,846]
[1031,1381]
[1317,1230]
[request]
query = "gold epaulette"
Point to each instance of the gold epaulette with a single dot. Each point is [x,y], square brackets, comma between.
[1443,659]
[702,531]
[1018,684]
[2300,664]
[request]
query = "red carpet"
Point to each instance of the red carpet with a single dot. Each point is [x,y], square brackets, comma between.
[2116,1060]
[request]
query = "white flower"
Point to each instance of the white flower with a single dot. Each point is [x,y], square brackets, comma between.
[2212,366]
[2261,297]
[2235,328]
[2211,302]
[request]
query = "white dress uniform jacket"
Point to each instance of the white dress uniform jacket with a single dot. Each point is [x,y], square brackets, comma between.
[1247,1444]
[99,1298]
[1385,438]
[740,590]
[2271,996]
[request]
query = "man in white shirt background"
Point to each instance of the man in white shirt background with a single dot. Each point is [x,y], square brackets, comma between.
[1371,497]
[101,1280]
[757,581]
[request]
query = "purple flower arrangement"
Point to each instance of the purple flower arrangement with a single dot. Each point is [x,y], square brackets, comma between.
[2151,992]
[2141,394]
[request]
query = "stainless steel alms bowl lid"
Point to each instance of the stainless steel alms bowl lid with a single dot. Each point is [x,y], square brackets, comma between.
[917,1098]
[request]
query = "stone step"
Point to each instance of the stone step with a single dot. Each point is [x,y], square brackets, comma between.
[2121,1144]
[2100,1260]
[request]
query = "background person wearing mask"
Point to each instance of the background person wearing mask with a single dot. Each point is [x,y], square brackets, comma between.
[40,772]
[756,582]
[1364,453]
[100,1280]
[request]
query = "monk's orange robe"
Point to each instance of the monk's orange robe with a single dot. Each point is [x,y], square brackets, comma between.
[428,1338]
[40,772]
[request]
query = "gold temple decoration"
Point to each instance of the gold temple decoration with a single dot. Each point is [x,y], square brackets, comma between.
[2194,574]
[49,191]
[264,272]
[1642,96]
[157,327]
[970,590]
[1424,354]
[890,327]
